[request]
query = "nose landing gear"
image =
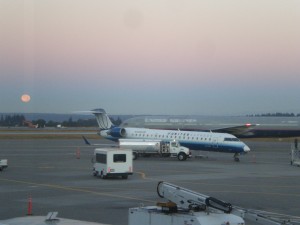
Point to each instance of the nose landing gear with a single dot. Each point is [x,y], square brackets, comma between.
[236,157]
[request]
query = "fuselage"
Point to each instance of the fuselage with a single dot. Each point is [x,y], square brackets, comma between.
[194,140]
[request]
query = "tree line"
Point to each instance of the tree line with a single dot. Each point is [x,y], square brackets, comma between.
[19,120]
[277,114]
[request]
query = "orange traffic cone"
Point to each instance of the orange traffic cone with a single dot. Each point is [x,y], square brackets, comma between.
[78,153]
[29,209]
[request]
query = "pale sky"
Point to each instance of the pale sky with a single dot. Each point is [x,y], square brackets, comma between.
[203,57]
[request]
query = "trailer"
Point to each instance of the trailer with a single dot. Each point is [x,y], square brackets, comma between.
[3,164]
[143,147]
[111,162]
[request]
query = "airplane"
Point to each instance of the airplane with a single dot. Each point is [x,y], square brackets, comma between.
[194,123]
[194,140]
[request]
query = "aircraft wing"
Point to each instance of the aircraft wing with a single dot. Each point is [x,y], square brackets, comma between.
[236,130]
[104,145]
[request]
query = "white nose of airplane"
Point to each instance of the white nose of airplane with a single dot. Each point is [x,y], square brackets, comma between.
[246,148]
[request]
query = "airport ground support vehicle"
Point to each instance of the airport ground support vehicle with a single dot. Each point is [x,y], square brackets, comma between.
[142,147]
[3,164]
[295,156]
[111,162]
[188,207]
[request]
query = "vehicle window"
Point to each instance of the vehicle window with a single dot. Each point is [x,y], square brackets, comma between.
[119,158]
[174,144]
[101,158]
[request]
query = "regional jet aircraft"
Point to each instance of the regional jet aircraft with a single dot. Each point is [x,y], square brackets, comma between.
[194,140]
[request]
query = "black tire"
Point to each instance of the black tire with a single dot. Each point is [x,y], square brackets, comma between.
[95,173]
[102,175]
[124,176]
[182,156]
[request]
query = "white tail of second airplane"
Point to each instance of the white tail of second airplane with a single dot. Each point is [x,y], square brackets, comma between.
[102,119]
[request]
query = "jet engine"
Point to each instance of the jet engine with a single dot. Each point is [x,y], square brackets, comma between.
[117,132]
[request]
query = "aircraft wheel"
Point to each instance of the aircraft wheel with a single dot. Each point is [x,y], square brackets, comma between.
[181,156]
[236,159]
[95,173]
[102,175]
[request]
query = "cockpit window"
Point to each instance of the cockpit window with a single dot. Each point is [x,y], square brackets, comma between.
[231,139]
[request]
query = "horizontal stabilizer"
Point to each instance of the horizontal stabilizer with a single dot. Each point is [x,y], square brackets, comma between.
[86,140]
[89,143]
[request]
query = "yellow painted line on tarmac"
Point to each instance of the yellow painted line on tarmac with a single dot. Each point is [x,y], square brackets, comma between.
[60,187]
[143,175]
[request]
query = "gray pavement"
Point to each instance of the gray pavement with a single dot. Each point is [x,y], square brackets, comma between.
[49,172]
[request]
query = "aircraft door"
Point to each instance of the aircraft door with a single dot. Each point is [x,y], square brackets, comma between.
[215,142]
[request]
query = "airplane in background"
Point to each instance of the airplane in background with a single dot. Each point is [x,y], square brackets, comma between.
[194,123]
[255,126]
[194,140]
[30,124]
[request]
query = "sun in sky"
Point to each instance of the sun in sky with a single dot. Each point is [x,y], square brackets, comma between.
[25,98]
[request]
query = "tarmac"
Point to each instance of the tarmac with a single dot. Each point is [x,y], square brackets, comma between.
[57,175]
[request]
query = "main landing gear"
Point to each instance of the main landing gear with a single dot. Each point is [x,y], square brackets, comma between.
[236,157]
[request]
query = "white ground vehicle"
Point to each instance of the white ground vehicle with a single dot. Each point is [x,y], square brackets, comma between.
[142,147]
[3,164]
[191,208]
[112,162]
[184,207]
